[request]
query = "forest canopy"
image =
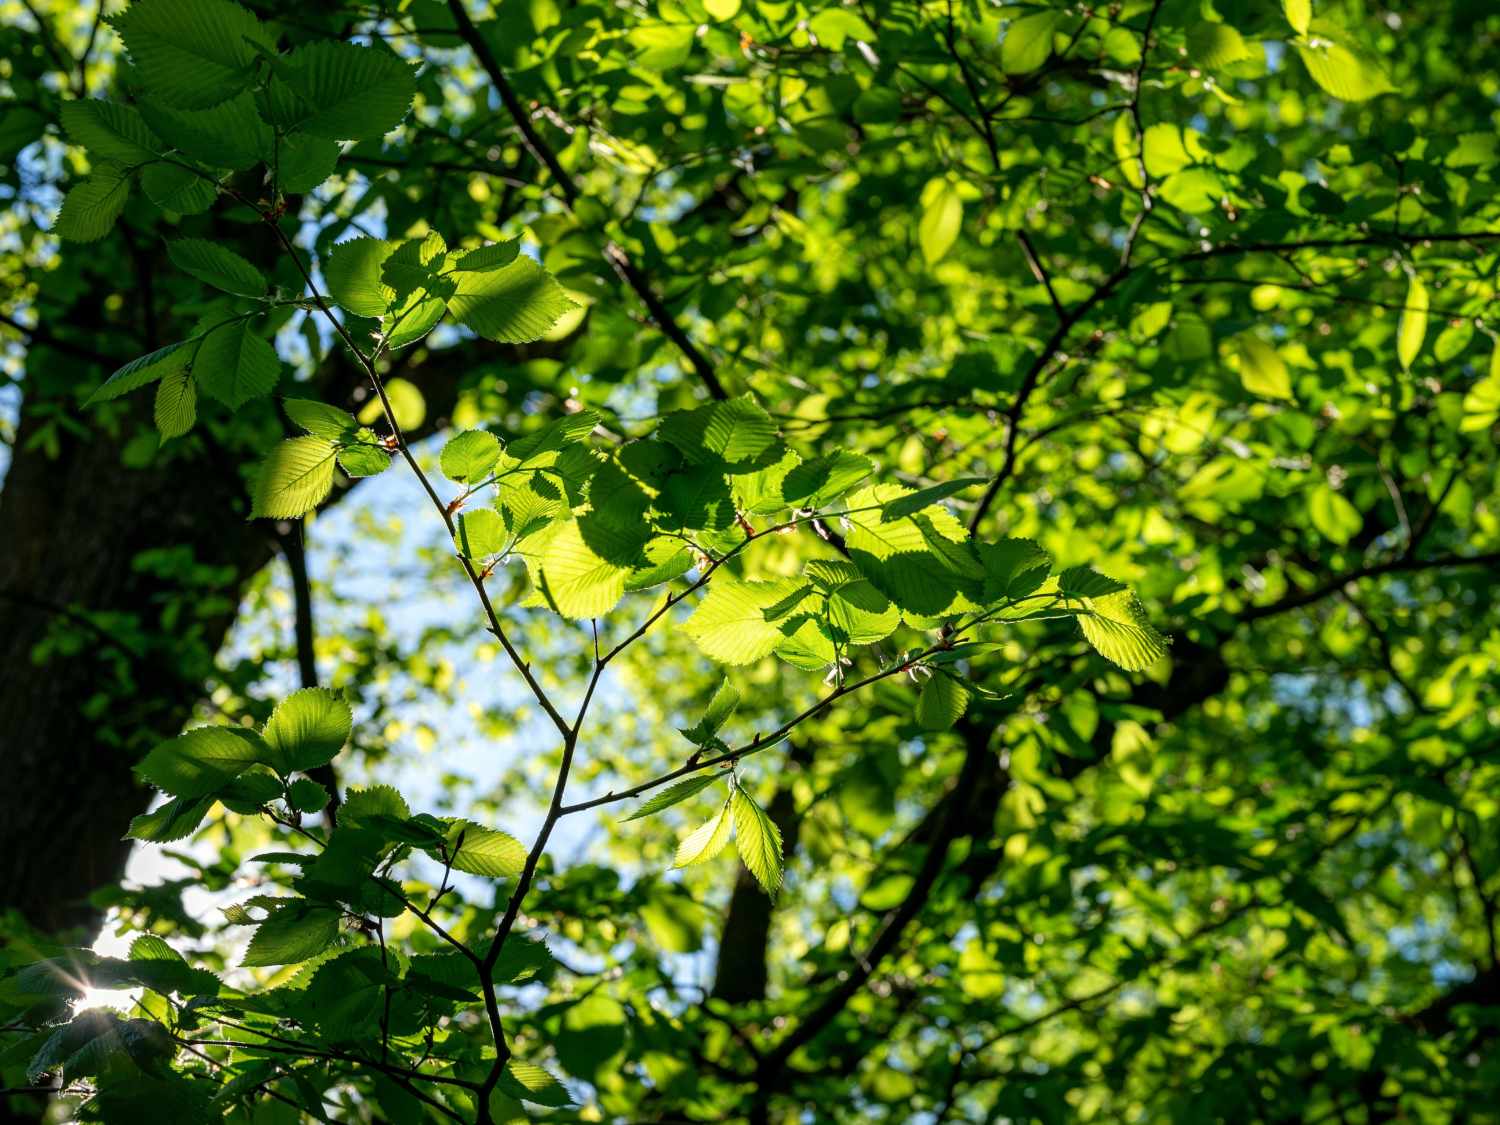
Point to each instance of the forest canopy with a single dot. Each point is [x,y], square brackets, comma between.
[732,560]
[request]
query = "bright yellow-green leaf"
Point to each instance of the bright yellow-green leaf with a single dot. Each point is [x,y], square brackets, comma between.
[484,851]
[1164,149]
[1262,370]
[941,702]
[1212,44]
[1482,402]
[1298,14]
[294,479]
[176,404]
[1342,71]
[1028,42]
[942,218]
[1117,626]
[1194,190]
[758,840]
[706,841]
[1333,515]
[481,533]
[1413,327]
[739,622]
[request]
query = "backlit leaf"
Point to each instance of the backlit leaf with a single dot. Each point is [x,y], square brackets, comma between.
[234,365]
[674,794]
[706,841]
[1413,326]
[515,304]
[942,218]
[202,760]
[308,728]
[1028,42]
[294,479]
[758,840]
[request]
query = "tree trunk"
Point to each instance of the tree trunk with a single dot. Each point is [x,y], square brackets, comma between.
[83,689]
[104,655]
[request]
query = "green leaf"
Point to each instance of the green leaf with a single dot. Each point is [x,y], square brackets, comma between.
[412,320]
[512,305]
[109,130]
[823,480]
[235,365]
[725,700]
[294,479]
[1413,328]
[416,267]
[140,372]
[922,562]
[201,761]
[302,162]
[857,612]
[211,263]
[735,434]
[758,840]
[90,208]
[295,932]
[531,1083]
[481,533]
[1119,630]
[175,188]
[306,795]
[1212,45]
[484,851]
[320,419]
[1333,515]
[942,219]
[486,259]
[308,728]
[176,819]
[1194,190]
[1028,42]
[176,404]
[1342,71]
[833,26]
[364,460]
[569,430]
[353,273]
[470,457]
[1013,568]
[347,92]
[912,503]
[1085,582]
[706,841]
[1481,405]
[230,135]
[674,794]
[941,702]
[739,622]
[576,580]
[192,54]
[1262,370]
[1298,14]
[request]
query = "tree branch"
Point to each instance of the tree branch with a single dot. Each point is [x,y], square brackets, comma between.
[615,255]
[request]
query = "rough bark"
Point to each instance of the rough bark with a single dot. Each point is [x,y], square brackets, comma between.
[73,722]
[70,527]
